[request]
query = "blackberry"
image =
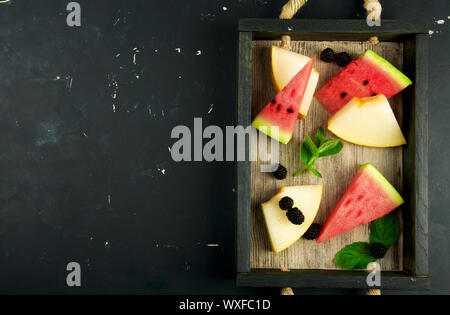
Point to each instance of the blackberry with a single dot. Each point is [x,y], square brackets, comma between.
[313,231]
[343,59]
[327,55]
[280,173]
[377,250]
[286,203]
[295,216]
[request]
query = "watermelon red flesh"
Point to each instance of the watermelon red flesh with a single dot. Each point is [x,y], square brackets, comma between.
[282,111]
[366,76]
[368,197]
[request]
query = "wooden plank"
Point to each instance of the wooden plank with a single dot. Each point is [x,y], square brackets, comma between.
[416,158]
[333,26]
[329,279]
[421,155]
[337,170]
[243,168]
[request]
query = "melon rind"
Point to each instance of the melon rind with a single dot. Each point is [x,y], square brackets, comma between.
[384,184]
[265,126]
[387,67]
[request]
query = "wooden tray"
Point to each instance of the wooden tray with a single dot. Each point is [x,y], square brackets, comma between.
[404,43]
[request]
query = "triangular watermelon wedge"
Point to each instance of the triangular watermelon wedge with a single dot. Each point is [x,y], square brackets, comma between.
[368,197]
[369,75]
[282,111]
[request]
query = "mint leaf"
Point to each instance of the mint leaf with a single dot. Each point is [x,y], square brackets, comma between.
[320,137]
[314,171]
[305,153]
[330,147]
[354,256]
[385,230]
[311,146]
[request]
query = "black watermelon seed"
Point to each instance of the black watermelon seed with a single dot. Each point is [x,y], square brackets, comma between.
[366,82]
[278,107]
[290,111]
[344,94]
[273,101]
[374,94]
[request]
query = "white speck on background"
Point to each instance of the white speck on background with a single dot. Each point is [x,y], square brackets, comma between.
[211,109]
[114,108]
[109,199]
[134,58]
[117,55]
[117,21]
[224,8]
[57,78]
[107,245]
[179,77]
[178,50]
[212,245]
[163,171]
[290,28]
[162,112]
[440,21]
[85,135]
[199,52]
[168,148]
[430,32]
[156,50]
[137,76]
[70,83]
[233,190]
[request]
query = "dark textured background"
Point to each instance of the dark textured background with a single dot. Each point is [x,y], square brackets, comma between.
[79,182]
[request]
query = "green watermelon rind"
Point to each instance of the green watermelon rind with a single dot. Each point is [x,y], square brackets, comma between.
[265,127]
[387,187]
[387,67]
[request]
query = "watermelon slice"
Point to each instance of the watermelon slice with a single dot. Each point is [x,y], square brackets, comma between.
[282,111]
[369,75]
[368,197]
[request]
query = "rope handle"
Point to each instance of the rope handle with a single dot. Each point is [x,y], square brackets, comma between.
[373,8]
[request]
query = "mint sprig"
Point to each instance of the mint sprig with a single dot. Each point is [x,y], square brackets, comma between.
[385,230]
[320,147]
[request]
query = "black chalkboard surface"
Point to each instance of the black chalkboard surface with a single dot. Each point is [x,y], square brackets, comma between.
[86,115]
